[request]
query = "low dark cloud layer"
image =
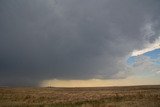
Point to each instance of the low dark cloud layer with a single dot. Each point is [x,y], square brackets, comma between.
[71,39]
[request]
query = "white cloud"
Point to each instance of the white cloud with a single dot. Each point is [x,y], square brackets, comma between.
[158,72]
[149,47]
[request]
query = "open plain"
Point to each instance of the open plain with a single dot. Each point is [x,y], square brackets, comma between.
[128,96]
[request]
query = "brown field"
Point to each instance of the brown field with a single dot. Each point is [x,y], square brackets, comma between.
[133,96]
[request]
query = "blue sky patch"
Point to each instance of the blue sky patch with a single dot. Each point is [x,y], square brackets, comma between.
[155,54]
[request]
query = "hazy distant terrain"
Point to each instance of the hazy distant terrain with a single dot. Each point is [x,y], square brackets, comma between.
[134,96]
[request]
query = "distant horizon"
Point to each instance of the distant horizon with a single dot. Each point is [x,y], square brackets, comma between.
[77,87]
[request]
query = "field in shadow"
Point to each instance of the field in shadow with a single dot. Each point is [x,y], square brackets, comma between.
[134,96]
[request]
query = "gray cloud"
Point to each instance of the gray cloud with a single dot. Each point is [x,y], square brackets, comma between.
[47,39]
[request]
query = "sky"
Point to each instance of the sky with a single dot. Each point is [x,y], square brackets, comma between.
[78,43]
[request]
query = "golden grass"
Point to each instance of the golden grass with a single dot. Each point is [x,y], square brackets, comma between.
[135,96]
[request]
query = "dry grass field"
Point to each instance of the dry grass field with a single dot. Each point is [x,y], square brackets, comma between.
[133,96]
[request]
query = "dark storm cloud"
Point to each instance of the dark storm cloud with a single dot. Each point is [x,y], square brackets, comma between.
[71,39]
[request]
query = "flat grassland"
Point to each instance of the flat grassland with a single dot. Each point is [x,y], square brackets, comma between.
[128,96]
